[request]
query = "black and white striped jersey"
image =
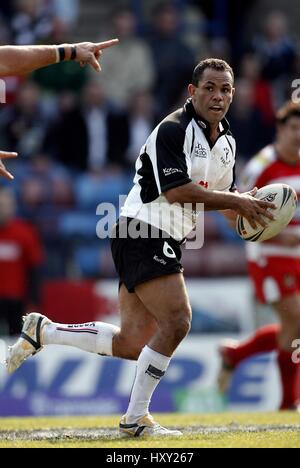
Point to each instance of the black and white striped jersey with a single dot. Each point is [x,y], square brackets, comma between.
[176,153]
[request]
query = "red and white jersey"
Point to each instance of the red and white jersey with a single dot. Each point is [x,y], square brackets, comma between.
[264,169]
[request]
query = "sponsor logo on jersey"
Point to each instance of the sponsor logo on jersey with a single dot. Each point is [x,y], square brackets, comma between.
[171,171]
[200,151]
[203,184]
[226,160]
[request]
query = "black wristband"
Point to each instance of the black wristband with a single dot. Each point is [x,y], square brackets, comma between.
[62,54]
[74,53]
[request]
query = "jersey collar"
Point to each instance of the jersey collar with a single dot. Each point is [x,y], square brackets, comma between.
[203,124]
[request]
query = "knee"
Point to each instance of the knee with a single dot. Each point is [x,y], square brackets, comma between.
[179,323]
[182,328]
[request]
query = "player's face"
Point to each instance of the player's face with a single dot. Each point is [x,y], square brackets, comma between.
[213,95]
[289,133]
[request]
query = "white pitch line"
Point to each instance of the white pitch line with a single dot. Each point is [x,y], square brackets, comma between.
[113,434]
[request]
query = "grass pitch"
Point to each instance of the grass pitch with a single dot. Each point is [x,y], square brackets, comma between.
[200,431]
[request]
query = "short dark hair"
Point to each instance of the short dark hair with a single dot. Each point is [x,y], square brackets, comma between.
[214,64]
[287,111]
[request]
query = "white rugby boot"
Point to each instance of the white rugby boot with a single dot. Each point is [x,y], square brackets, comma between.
[146,426]
[29,342]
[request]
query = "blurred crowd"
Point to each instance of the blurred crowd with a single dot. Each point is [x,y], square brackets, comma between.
[79,133]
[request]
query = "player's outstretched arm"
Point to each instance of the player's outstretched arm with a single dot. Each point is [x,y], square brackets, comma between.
[244,204]
[3,171]
[21,60]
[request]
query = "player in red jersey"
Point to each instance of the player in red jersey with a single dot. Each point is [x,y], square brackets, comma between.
[22,60]
[20,260]
[274,265]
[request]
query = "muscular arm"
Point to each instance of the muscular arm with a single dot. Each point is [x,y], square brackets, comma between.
[244,204]
[193,193]
[21,60]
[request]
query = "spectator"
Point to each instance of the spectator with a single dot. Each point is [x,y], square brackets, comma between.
[44,186]
[246,121]
[90,136]
[251,70]
[276,47]
[20,257]
[141,119]
[32,22]
[67,11]
[24,123]
[129,67]
[4,30]
[70,76]
[237,17]
[172,57]
[45,196]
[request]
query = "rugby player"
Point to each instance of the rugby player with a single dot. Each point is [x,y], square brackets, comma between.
[187,160]
[274,266]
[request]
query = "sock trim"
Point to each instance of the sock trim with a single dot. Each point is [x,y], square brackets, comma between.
[158,359]
[79,330]
[154,372]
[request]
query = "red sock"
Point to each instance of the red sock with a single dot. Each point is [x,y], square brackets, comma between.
[264,341]
[289,379]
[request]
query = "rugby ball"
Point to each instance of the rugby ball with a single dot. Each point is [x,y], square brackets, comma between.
[286,201]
